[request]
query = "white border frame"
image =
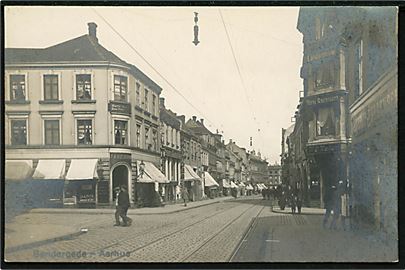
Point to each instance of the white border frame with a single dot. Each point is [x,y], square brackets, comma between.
[18,117]
[51,72]
[84,117]
[52,117]
[7,83]
[121,118]
[118,73]
[92,81]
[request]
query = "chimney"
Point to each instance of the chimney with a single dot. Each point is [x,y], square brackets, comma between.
[162,102]
[194,118]
[92,30]
[202,121]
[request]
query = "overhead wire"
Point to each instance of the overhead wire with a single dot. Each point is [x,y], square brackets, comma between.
[153,68]
[240,76]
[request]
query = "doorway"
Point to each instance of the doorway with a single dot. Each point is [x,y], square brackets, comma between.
[119,178]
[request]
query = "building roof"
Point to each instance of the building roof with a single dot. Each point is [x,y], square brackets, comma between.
[84,48]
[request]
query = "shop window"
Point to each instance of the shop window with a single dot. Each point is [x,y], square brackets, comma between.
[18,132]
[154,139]
[51,91]
[83,87]
[84,131]
[325,124]
[17,87]
[120,132]
[358,87]
[52,135]
[120,88]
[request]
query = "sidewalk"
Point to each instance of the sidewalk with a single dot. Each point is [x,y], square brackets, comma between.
[40,226]
[304,211]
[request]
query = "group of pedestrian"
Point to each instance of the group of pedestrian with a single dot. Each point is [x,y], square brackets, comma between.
[295,202]
[121,206]
[336,202]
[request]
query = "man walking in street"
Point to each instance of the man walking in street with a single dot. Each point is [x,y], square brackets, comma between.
[122,208]
[117,208]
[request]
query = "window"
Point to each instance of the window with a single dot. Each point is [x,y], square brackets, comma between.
[18,132]
[83,86]
[84,131]
[146,105]
[154,104]
[120,132]
[52,136]
[148,146]
[138,94]
[51,91]
[324,75]
[17,87]
[120,88]
[325,123]
[138,135]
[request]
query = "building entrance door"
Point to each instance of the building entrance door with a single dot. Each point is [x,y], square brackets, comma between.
[119,178]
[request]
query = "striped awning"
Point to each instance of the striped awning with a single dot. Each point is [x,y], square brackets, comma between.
[249,187]
[18,169]
[152,174]
[50,169]
[233,185]
[225,184]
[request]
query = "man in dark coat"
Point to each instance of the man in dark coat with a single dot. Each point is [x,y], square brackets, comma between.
[122,207]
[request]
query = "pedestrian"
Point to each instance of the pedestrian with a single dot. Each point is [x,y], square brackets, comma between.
[298,202]
[184,195]
[337,206]
[292,203]
[122,207]
[117,207]
[329,199]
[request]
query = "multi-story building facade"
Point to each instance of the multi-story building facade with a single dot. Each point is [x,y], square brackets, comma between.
[258,172]
[350,107]
[75,102]
[241,153]
[171,151]
[274,174]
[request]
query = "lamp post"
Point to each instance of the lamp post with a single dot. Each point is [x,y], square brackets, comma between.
[138,175]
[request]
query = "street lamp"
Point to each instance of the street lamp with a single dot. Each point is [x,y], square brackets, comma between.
[139,174]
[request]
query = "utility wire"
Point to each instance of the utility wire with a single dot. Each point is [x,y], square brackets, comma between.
[240,75]
[151,66]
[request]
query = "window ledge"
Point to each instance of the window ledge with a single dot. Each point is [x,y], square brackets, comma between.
[83,101]
[51,102]
[138,108]
[18,102]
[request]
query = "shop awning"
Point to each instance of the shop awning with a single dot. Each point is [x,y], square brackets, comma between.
[209,180]
[18,169]
[233,185]
[152,175]
[190,174]
[225,184]
[50,169]
[82,169]
[264,186]
[242,184]
[249,187]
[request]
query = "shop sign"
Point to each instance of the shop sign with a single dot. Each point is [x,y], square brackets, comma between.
[119,108]
[321,100]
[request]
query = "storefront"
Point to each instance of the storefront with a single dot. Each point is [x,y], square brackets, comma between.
[193,183]
[80,188]
[17,186]
[211,186]
[226,188]
[151,186]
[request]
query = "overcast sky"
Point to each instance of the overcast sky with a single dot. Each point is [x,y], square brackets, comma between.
[267,46]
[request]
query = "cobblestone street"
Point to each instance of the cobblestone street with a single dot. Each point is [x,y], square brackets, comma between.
[233,230]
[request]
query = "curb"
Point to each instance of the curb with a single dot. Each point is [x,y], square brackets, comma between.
[43,242]
[302,213]
[111,211]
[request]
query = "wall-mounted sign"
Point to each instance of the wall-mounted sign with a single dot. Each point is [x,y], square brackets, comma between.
[119,108]
[321,100]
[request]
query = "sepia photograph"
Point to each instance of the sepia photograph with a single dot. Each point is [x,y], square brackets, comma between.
[200,134]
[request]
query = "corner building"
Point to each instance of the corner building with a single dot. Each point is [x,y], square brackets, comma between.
[74,102]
